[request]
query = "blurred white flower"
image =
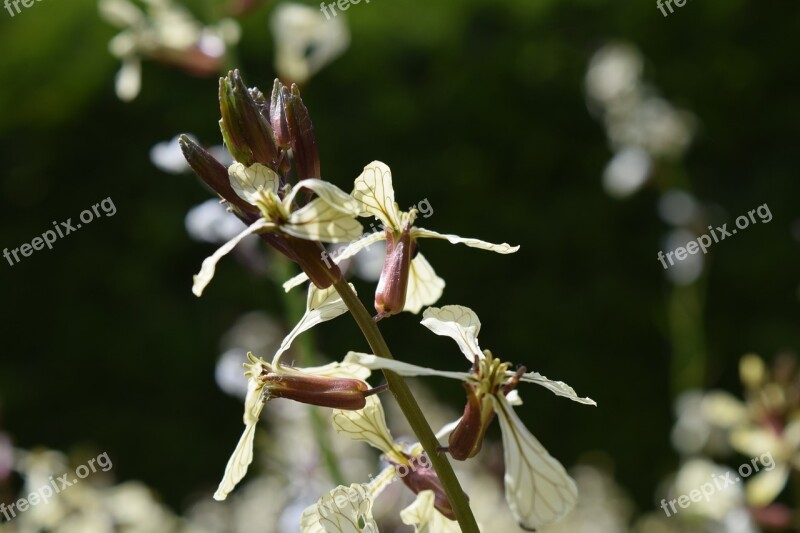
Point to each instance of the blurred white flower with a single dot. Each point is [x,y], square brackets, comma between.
[678,207]
[689,270]
[166,32]
[168,157]
[305,41]
[614,73]
[212,222]
[626,172]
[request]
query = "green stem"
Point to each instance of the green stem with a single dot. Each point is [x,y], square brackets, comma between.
[411,410]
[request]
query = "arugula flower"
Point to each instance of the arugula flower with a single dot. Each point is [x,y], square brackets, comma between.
[339,385]
[408,282]
[538,489]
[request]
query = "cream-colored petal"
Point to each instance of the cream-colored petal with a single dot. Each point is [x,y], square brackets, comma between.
[374,191]
[559,388]
[342,510]
[248,181]
[237,465]
[379,483]
[753,440]
[128,82]
[538,489]
[764,487]
[330,193]
[367,425]
[120,13]
[425,518]
[319,221]
[374,362]
[424,286]
[457,322]
[209,266]
[322,305]
[503,248]
[352,249]
[345,369]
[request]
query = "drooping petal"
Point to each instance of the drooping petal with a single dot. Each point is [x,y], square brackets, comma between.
[333,195]
[237,464]
[457,322]
[368,425]
[242,455]
[373,362]
[209,266]
[352,249]
[319,221]
[503,248]
[246,182]
[538,489]
[342,510]
[374,191]
[425,518]
[321,306]
[424,286]
[559,388]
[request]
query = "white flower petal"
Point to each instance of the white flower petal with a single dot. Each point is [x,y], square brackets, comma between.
[209,266]
[237,464]
[379,483]
[559,388]
[374,191]
[425,518]
[457,322]
[374,362]
[129,79]
[753,441]
[424,286]
[333,195]
[342,510]
[346,369]
[538,489]
[322,305]
[248,181]
[352,249]
[503,248]
[764,487]
[319,221]
[368,425]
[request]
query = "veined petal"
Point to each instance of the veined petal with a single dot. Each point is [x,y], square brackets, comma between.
[209,266]
[374,362]
[381,481]
[322,305]
[352,249]
[503,248]
[368,425]
[237,465]
[425,518]
[538,489]
[457,322]
[424,286]
[333,195]
[559,388]
[248,181]
[342,510]
[319,221]
[374,191]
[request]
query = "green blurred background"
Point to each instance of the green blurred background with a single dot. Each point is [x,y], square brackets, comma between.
[478,106]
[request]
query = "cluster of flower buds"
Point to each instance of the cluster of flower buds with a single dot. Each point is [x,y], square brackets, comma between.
[275,147]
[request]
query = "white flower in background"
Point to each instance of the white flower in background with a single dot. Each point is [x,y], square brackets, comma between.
[166,32]
[704,420]
[641,126]
[331,217]
[687,271]
[678,207]
[538,489]
[305,41]
[408,282]
[696,473]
